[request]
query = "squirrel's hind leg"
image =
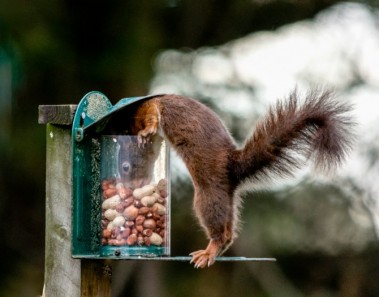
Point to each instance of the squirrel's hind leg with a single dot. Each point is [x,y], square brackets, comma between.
[217,220]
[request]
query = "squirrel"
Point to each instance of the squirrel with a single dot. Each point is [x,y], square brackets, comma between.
[319,129]
[135,165]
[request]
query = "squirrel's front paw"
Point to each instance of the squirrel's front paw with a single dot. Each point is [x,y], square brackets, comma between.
[202,258]
[144,136]
[142,140]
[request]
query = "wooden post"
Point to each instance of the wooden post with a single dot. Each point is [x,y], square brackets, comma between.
[65,276]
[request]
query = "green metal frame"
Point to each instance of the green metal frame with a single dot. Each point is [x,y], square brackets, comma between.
[93,111]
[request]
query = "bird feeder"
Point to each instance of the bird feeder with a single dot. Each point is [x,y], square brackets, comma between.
[121,189]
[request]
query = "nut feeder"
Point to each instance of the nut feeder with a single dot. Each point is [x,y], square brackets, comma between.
[121,191]
[106,198]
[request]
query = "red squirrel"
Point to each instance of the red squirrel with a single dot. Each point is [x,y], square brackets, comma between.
[319,129]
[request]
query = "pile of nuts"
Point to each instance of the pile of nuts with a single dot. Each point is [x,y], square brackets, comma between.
[133,217]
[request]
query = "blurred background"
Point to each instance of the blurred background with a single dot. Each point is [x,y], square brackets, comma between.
[237,57]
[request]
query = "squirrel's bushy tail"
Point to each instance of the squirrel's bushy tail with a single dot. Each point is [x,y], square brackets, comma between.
[319,129]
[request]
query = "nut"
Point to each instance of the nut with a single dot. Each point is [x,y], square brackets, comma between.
[147,241]
[115,231]
[111,202]
[163,193]
[128,201]
[107,233]
[131,239]
[140,240]
[139,228]
[110,226]
[125,233]
[140,219]
[156,239]
[130,213]
[149,224]
[123,192]
[118,221]
[144,191]
[110,214]
[104,184]
[129,224]
[162,184]
[138,204]
[159,209]
[133,217]
[148,200]
[144,210]
[147,232]
[110,192]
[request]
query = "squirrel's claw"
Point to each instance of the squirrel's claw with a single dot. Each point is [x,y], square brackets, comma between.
[144,136]
[202,258]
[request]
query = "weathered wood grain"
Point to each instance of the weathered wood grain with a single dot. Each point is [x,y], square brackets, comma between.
[56,114]
[65,276]
[96,278]
[62,272]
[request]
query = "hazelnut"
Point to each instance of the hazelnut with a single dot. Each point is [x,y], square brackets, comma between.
[107,233]
[162,184]
[140,240]
[131,240]
[140,219]
[138,204]
[128,201]
[115,232]
[163,193]
[110,192]
[129,223]
[123,192]
[147,241]
[104,184]
[130,213]
[139,228]
[125,233]
[149,224]
[147,232]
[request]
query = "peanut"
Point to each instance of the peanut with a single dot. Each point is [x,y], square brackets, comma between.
[144,191]
[111,202]
[133,217]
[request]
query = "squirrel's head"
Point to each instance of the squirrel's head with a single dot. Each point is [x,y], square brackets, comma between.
[136,163]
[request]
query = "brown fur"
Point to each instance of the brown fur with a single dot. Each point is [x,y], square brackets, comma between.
[318,129]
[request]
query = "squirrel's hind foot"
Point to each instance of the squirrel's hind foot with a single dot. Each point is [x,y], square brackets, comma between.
[207,257]
[202,258]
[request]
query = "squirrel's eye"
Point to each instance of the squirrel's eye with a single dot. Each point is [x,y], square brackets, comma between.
[125,166]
